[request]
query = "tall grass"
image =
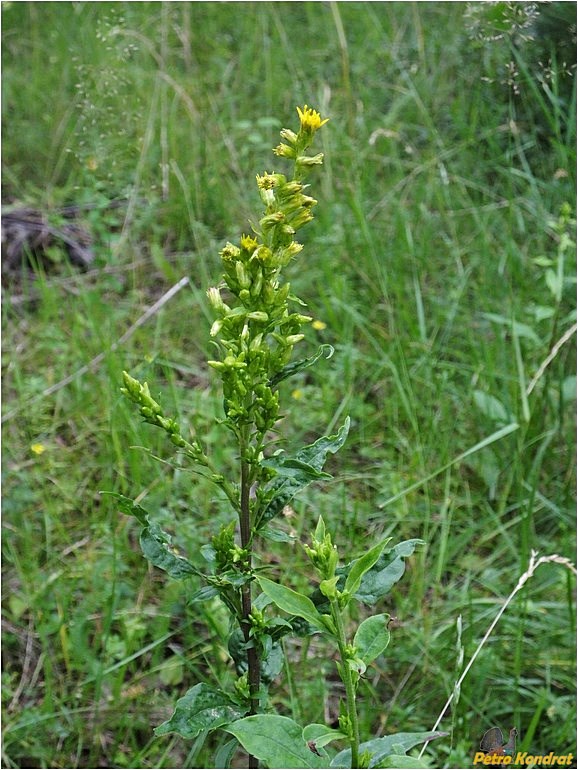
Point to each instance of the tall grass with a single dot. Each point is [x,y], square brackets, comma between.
[430,272]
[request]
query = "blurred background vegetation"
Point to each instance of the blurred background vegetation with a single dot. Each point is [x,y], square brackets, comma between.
[440,265]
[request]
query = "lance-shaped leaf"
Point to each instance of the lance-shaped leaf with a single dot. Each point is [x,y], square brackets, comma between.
[294,473]
[155,543]
[202,708]
[372,637]
[292,602]
[297,366]
[380,748]
[362,565]
[275,740]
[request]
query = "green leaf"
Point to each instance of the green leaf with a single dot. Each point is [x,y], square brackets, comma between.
[297,366]
[281,489]
[362,565]
[380,748]
[321,735]
[491,407]
[292,602]
[277,535]
[156,546]
[520,329]
[386,572]
[290,466]
[272,658]
[372,637]
[224,755]
[129,507]
[203,594]
[403,762]
[275,740]
[202,708]
[155,543]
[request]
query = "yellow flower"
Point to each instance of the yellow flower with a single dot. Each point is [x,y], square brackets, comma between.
[319,325]
[297,394]
[310,119]
[38,449]
[267,181]
[249,243]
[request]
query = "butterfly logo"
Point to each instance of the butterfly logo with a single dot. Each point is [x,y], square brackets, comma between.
[493,742]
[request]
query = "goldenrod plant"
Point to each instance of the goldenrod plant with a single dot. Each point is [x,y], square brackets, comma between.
[258,323]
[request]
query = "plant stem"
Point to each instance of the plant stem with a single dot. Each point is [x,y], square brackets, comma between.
[345,673]
[254,673]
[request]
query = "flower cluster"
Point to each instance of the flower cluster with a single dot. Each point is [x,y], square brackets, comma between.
[254,330]
[153,413]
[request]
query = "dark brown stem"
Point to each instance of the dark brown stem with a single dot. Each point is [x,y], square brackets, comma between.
[254,673]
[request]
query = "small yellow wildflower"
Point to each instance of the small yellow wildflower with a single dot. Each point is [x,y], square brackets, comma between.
[38,449]
[230,253]
[249,243]
[310,119]
[319,325]
[267,181]
[92,164]
[297,394]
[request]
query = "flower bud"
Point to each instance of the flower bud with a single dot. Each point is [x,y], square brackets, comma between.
[268,197]
[269,221]
[285,151]
[216,328]
[288,135]
[216,301]
[263,254]
[242,275]
[310,160]
[258,315]
[293,339]
[257,284]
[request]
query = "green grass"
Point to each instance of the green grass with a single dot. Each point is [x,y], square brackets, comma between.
[435,201]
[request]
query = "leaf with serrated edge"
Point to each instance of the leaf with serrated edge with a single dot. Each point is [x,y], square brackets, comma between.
[297,366]
[275,740]
[281,489]
[156,547]
[202,708]
[129,507]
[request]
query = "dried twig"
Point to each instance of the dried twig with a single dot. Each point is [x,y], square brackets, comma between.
[532,567]
[550,357]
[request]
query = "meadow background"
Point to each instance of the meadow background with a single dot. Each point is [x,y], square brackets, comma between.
[439,266]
